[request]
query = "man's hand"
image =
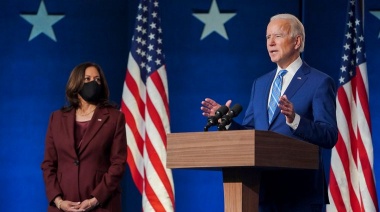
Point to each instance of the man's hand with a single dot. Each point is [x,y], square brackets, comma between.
[287,108]
[209,107]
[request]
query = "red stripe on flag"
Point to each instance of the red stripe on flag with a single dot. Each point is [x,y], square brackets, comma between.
[354,119]
[134,89]
[362,92]
[145,104]
[367,170]
[136,175]
[158,164]
[156,79]
[153,198]
[130,121]
[335,193]
[137,178]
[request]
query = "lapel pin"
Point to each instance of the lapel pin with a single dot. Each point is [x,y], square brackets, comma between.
[299,78]
[99,119]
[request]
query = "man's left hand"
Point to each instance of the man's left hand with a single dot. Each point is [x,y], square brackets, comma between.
[287,108]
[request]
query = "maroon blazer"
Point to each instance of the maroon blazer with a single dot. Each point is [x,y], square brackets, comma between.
[98,167]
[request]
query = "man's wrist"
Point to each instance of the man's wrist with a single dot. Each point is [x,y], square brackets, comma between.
[295,123]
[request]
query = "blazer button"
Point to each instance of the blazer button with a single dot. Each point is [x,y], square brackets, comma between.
[76,162]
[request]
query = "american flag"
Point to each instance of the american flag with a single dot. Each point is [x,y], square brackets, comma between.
[145,104]
[352,184]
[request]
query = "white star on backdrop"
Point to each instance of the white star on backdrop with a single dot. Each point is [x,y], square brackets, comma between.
[42,22]
[214,21]
[377,15]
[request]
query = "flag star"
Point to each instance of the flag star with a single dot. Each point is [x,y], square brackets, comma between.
[377,15]
[347,46]
[341,80]
[150,47]
[214,21]
[343,68]
[357,22]
[151,36]
[42,22]
[345,57]
[361,38]
[158,62]
[358,49]
[348,35]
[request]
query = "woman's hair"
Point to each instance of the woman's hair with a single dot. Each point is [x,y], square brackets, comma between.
[75,84]
[296,27]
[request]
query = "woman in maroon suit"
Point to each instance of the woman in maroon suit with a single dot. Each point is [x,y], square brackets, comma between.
[85,147]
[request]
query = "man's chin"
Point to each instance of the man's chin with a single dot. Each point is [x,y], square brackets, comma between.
[274,59]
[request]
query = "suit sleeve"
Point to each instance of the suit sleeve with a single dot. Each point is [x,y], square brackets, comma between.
[111,180]
[49,165]
[321,131]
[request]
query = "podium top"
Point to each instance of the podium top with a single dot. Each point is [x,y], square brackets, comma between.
[239,148]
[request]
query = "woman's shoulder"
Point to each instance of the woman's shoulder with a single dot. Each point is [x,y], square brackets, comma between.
[111,110]
[60,112]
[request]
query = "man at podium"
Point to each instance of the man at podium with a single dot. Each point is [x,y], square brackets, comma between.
[295,100]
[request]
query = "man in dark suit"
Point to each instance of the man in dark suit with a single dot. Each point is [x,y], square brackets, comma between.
[304,109]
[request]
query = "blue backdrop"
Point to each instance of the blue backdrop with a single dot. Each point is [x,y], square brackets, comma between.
[36,64]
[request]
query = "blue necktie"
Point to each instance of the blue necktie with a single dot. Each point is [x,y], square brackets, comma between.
[275,94]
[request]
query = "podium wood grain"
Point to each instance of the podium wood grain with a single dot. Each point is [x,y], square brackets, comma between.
[241,154]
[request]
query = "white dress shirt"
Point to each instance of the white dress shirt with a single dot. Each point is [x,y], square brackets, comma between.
[292,69]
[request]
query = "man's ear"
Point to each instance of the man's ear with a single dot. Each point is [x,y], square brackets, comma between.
[297,43]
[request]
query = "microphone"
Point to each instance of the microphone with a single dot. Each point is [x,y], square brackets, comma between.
[227,119]
[213,120]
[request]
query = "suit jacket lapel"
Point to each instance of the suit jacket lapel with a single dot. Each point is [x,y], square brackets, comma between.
[68,122]
[98,119]
[268,91]
[298,80]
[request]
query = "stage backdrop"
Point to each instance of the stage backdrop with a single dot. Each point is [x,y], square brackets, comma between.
[42,41]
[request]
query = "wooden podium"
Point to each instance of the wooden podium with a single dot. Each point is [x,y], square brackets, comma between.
[242,155]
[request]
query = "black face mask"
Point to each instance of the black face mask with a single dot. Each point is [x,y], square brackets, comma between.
[91,91]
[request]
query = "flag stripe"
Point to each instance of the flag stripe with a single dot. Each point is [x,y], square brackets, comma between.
[336,193]
[352,185]
[145,103]
[363,96]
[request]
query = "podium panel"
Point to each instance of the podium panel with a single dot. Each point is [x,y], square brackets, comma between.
[241,154]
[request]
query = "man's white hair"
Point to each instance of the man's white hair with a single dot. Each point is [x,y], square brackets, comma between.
[296,27]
